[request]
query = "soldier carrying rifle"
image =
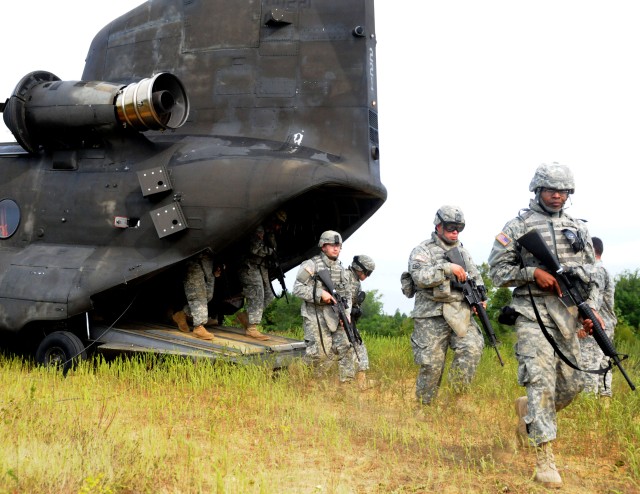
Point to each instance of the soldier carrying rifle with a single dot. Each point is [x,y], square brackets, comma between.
[550,384]
[442,317]
[254,274]
[325,334]
[361,268]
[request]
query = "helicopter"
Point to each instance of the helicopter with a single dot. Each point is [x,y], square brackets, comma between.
[192,123]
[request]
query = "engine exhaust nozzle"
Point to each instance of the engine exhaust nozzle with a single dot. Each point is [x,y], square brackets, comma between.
[155,103]
[44,111]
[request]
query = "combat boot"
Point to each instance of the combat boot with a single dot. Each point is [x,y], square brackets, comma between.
[546,470]
[243,319]
[252,331]
[180,318]
[202,333]
[361,379]
[521,430]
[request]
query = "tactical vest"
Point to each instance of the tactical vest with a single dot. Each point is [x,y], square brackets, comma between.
[551,230]
[338,276]
[356,285]
[352,275]
[443,292]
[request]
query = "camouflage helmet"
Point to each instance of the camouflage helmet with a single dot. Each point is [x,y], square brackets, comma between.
[363,263]
[449,214]
[330,237]
[553,176]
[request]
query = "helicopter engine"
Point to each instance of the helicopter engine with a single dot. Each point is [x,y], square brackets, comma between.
[44,111]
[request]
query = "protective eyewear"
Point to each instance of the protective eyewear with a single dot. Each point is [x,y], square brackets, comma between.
[453,227]
[356,260]
[560,192]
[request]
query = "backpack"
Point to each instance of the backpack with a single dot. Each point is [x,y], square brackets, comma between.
[408,286]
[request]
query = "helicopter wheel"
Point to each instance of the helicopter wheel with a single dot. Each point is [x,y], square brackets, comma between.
[61,349]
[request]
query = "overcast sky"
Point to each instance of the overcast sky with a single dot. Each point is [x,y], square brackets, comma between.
[472,96]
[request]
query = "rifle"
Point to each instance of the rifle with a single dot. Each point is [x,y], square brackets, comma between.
[474,298]
[279,275]
[353,335]
[536,245]
[356,311]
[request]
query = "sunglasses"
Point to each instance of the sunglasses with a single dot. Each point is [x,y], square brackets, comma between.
[560,192]
[453,227]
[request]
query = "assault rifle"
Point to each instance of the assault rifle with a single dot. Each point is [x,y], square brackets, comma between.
[535,244]
[356,310]
[474,297]
[353,335]
[278,273]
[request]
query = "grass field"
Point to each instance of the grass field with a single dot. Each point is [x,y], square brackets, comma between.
[145,425]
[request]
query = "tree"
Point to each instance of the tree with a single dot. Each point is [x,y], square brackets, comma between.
[374,321]
[497,298]
[488,284]
[627,298]
[500,298]
[372,304]
[283,316]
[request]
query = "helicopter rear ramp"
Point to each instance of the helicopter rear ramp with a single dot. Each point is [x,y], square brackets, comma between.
[229,344]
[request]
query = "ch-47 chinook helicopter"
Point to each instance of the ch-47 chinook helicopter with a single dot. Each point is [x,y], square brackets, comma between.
[193,122]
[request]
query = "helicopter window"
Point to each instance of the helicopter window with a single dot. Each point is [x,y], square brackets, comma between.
[9,218]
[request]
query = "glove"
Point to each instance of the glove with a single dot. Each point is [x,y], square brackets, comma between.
[356,313]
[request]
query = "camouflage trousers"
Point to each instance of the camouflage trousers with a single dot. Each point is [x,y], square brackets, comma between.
[593,358]
[324,348]
[362,357]
[551,385]
[256,289]
[431,338]
[198,288]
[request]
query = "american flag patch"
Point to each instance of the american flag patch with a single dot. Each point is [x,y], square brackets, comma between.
[503,239]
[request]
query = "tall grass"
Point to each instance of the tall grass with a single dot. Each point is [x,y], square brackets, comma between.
[173,425]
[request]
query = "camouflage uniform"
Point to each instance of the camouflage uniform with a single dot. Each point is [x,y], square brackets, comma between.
[356,287]
[432,334]
[551,385]
[254,274]
[325,340]
[592,355]
[199,282]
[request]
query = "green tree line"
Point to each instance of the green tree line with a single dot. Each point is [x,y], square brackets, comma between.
[283,316]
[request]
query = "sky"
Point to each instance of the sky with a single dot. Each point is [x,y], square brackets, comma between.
[472,97]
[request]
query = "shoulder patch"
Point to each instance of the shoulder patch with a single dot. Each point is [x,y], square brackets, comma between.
[503,239]
[309,266]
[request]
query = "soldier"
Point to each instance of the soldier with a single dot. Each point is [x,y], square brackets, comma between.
[360,269]
[550,384]
[442,319]
[254,274]
[592,355]
[324,336]
[199,281]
